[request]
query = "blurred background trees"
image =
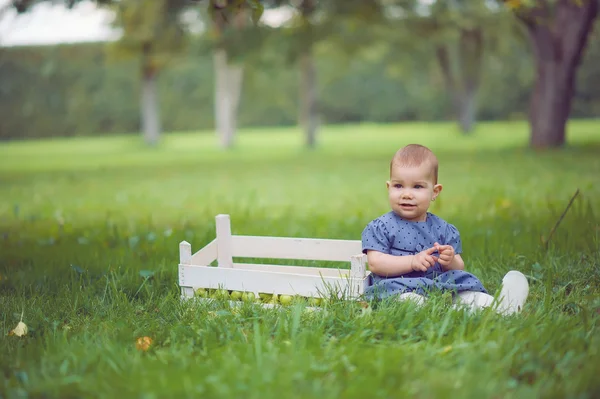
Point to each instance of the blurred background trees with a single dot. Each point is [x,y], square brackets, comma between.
[153,36]
[328,62]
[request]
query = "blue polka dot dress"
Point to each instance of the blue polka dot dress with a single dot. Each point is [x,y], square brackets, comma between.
[390,234]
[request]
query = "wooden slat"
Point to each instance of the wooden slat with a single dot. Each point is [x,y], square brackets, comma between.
[311,271]
[206,255]
[266,281]
[295,248]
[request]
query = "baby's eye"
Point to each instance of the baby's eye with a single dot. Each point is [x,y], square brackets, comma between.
[418,186]
[398,185]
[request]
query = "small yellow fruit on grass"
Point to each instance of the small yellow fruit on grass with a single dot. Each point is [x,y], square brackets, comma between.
[143,343]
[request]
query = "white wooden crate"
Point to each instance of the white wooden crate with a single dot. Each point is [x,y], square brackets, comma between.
[195,270]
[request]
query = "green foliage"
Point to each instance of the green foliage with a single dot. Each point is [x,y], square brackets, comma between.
[89,252]
[72,90]
[234,25]
[151,32]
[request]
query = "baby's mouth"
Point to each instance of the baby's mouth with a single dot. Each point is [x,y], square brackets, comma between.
[407,205]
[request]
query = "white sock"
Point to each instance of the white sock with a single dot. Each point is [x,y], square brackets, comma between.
[473,299]
[411,296]
[513,294]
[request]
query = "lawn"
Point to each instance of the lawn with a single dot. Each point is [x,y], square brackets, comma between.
[85,221]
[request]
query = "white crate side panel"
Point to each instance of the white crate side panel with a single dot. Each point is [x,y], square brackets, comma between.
[206,255]
[311,271]
[295,248]
[266,281]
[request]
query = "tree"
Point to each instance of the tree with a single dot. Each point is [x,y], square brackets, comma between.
[152,34]
[457,32]
[230,20]
[308,108]
[461,57]
[558,31]
[338,22]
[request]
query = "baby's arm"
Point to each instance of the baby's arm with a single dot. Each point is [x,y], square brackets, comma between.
[393,266]
[449,250]
[456,264]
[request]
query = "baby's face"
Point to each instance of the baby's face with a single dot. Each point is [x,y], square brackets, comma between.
[411,190]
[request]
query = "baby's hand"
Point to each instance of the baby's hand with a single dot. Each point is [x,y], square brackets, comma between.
[423,260]
[446,253]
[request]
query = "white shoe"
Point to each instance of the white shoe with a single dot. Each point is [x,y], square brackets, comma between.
[515,290]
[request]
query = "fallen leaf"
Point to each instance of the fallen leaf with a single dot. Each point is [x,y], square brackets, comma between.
[19,330]
[143,343]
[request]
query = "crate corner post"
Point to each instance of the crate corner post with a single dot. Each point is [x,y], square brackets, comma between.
[224,241]
[358,273]
[185,259]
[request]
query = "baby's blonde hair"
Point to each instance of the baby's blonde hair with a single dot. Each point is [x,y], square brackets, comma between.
[416,155]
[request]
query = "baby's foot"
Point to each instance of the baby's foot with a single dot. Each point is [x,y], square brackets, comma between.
[515,290]
[411,296]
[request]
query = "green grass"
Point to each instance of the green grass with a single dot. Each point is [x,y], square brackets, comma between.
[80,218]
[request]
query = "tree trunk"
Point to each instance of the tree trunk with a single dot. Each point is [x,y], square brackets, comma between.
[309,119]
[228,87]
[467,110]
[463,87]
[150,115]
[470,52]
[558,47]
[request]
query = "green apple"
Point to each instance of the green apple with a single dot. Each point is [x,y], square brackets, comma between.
[236,295]
[286,299]
[249,296]
[201,292]
[221,294]
[265,297]
[314,301]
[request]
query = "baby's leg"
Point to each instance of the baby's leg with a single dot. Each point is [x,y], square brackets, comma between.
[474,299]
[513,294]
[411,296]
